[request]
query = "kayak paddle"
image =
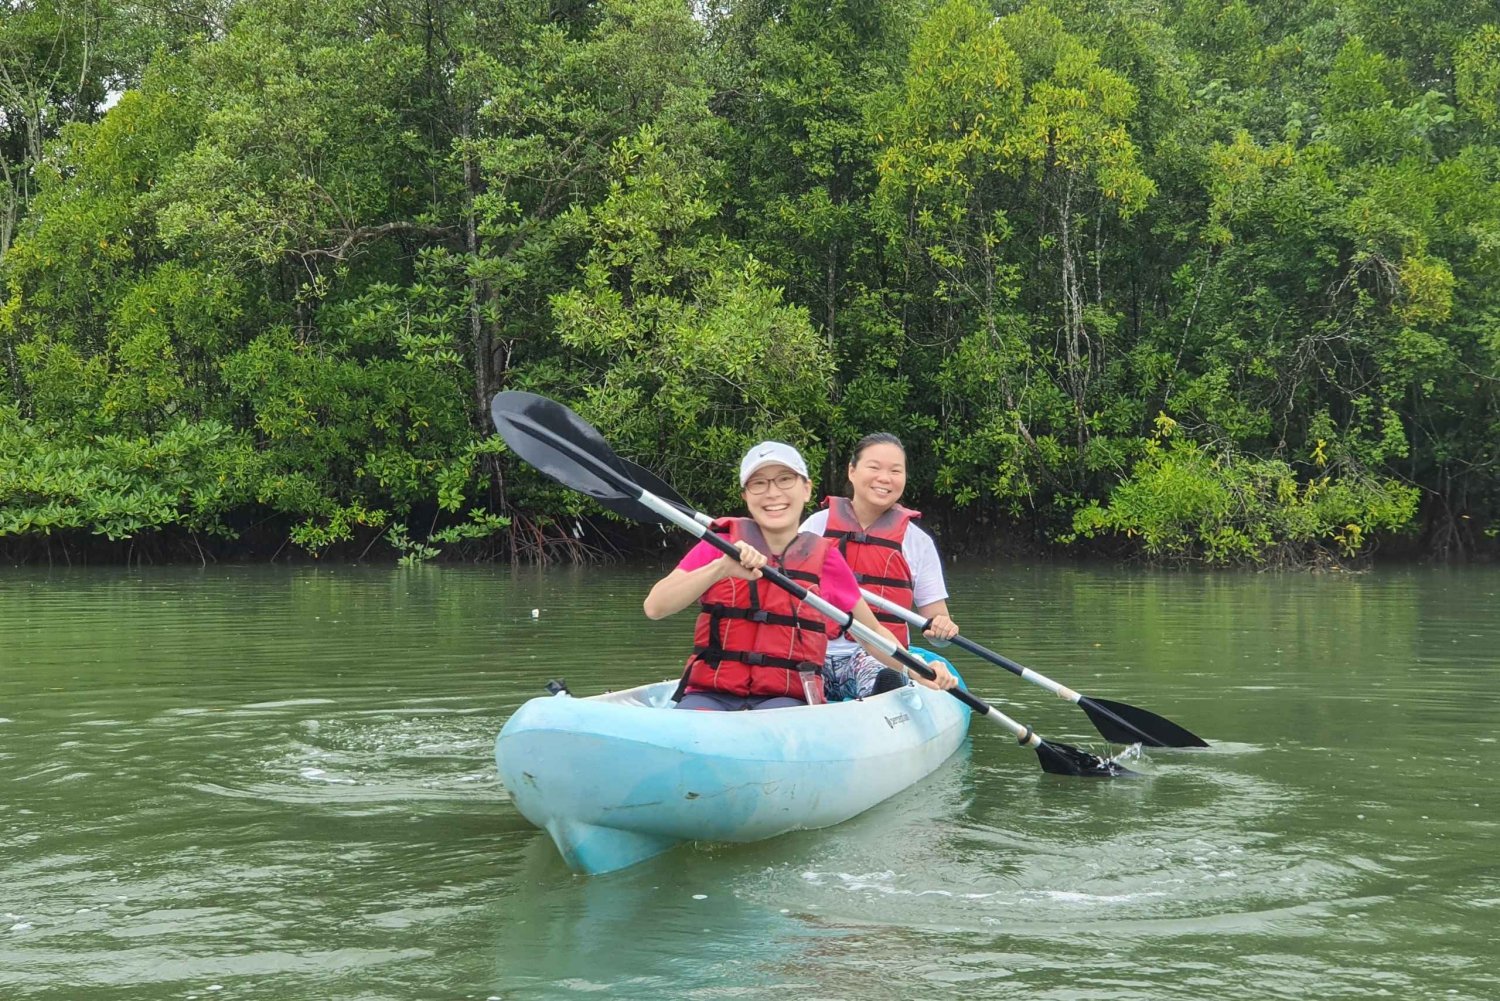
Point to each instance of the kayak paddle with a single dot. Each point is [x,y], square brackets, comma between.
[1116,721]
[571,451]
[1119,722]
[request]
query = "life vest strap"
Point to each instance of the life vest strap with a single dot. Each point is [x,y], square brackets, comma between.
[871,579]
[761,615]
[863,538]
[754,659]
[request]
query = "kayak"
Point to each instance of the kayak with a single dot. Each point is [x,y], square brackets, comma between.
[618,778]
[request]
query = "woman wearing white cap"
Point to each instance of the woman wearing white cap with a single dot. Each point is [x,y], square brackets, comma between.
[755,646]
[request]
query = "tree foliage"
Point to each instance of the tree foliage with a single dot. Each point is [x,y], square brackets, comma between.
[1216,281]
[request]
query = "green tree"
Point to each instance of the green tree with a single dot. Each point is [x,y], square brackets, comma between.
[690,356]
[1007,154]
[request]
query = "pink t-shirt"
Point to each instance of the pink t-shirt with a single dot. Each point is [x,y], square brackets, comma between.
[837,585]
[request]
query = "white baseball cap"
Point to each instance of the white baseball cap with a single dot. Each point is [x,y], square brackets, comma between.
[769,453]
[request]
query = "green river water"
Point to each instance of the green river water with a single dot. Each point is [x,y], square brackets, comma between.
[279,783]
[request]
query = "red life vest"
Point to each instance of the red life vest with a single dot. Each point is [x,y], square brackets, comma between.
[753,638]
[875,556]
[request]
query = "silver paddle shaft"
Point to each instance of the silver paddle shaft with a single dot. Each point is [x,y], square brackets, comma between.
[1025,673]
[697,524]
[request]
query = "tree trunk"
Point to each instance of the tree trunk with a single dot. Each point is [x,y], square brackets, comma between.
[1075,334]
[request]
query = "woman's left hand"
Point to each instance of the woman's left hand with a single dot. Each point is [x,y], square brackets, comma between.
[941,628]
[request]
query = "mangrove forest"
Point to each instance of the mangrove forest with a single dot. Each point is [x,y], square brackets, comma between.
[1194,281]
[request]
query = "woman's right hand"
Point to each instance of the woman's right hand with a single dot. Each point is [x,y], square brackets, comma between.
[747,567]
[943,681]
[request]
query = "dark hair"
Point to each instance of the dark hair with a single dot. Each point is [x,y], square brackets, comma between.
[878,438]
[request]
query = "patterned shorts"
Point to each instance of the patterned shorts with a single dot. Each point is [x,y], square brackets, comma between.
[851,677]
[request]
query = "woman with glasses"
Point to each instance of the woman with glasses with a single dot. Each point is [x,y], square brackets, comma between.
[754,645]
[890,556]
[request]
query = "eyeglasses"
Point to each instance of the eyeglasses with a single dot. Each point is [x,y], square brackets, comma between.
[783,481]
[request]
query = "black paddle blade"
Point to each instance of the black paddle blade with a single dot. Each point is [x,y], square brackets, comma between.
[651,483]
[655,484]
[1064,759]
[1120,723]
[564,446]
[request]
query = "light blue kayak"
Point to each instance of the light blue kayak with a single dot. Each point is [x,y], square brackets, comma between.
[619,778]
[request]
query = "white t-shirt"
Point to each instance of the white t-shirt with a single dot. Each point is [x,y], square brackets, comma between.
[926,572]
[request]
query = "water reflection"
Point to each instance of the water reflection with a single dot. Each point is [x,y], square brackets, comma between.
[281,782]
[679,924]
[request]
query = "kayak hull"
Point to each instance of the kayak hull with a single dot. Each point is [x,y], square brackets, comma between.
[616,779]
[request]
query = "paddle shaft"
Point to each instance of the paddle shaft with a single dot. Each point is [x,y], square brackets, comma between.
[911,617]
[1024,734]
[1117,721]
[1025,673]
[697,522]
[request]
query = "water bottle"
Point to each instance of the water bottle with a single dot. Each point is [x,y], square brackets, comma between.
[812,686]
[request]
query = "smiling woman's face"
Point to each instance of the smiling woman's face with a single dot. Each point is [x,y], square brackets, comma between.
[777,508]
[878,476]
